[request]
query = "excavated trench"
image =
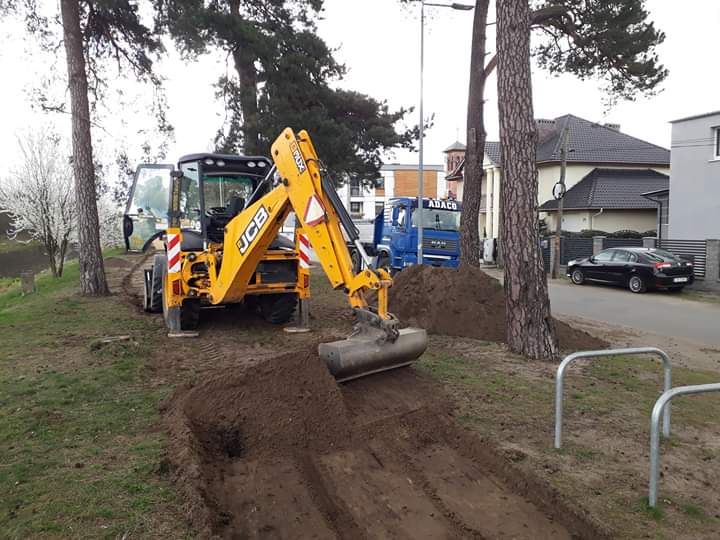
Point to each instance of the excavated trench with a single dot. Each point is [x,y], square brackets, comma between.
[281,451]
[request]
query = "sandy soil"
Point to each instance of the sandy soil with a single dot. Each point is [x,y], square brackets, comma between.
[265,444]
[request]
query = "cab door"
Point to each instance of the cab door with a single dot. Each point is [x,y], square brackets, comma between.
[146,213]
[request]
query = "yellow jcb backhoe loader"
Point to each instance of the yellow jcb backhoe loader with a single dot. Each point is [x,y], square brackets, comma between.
[223,247]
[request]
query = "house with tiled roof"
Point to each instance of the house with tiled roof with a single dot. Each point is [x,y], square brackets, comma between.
[612,165]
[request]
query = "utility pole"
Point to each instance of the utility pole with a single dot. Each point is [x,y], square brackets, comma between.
[560,196]
[421,165]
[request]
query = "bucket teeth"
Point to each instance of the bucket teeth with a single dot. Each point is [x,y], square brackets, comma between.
[370,351]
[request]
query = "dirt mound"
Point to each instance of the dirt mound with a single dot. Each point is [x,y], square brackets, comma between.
[464,302]
[281,406]
[281,451]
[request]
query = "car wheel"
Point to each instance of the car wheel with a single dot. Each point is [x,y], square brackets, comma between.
[637,284]
[577,277]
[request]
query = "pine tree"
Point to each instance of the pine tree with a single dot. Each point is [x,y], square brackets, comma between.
[610,40]
[283,72]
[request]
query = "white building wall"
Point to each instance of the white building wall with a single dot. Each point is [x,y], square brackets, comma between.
[694,180]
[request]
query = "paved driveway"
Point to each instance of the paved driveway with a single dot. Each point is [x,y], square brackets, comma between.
[656,312]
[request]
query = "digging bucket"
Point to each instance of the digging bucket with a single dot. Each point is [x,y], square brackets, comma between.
[369,351]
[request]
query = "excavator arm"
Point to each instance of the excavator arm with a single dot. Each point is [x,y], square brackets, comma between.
[301,189]
[377,342]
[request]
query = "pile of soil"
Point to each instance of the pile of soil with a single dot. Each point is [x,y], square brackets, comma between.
[464,302]
[282,406]
[279,450]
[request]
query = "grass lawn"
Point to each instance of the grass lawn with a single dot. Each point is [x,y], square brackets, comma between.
[604,464]
[79,431]
[7,245]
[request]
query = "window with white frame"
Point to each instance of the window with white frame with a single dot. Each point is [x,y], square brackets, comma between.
[716,142]
[356,207]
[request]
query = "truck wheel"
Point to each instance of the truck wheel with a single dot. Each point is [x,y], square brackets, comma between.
[356,261]
[384,261]
[147,290]
[155,284]
[277,308]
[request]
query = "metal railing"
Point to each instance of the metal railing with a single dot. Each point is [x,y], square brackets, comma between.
[560,377]
[663,404]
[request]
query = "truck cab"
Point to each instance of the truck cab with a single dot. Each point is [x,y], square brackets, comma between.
[397,233]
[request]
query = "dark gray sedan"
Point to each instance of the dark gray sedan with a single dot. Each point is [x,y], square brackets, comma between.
[638,269]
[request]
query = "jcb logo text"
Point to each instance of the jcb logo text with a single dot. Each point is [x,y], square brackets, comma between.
[251,231]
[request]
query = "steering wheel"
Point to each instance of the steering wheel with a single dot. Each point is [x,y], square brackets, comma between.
[216,211]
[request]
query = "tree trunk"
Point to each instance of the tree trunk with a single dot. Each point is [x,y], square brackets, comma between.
[61,256]
[92,271]
[247,73]
[529,325]
[248,76]
[473,173]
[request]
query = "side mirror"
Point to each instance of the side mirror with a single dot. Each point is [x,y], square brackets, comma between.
[139,210]
[592,260]
[176,174]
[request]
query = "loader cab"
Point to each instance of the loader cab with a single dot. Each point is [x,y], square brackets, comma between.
[213,189]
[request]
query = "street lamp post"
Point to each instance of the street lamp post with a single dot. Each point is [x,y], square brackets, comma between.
[421,166]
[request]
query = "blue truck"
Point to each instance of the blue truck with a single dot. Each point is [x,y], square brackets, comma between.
[395,234]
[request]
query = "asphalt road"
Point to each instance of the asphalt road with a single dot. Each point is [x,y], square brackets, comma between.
[657,312]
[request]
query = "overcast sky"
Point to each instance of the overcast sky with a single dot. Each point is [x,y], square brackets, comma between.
[379,40]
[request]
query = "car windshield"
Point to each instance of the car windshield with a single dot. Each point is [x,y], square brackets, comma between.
[660,255]
[219,189]
[440,220]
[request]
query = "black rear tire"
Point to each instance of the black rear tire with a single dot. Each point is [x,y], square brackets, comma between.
[277,308]
[637,284]
[156,284]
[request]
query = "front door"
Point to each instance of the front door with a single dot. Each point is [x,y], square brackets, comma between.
[600,266]
[146,214]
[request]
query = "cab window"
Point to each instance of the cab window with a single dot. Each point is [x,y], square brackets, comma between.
[220,189]
[189,197]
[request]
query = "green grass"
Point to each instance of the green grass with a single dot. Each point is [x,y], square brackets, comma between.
[510,401]
[693,511]
[79,424]
[8,246]
[653,512]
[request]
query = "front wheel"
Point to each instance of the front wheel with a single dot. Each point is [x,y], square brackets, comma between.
[577,276]
[637,284]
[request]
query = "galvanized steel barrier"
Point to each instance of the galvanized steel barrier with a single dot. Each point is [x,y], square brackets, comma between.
[663,403]
[560,377]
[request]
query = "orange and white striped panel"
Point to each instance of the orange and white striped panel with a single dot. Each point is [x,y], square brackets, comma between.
[173,252]
[304,246]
